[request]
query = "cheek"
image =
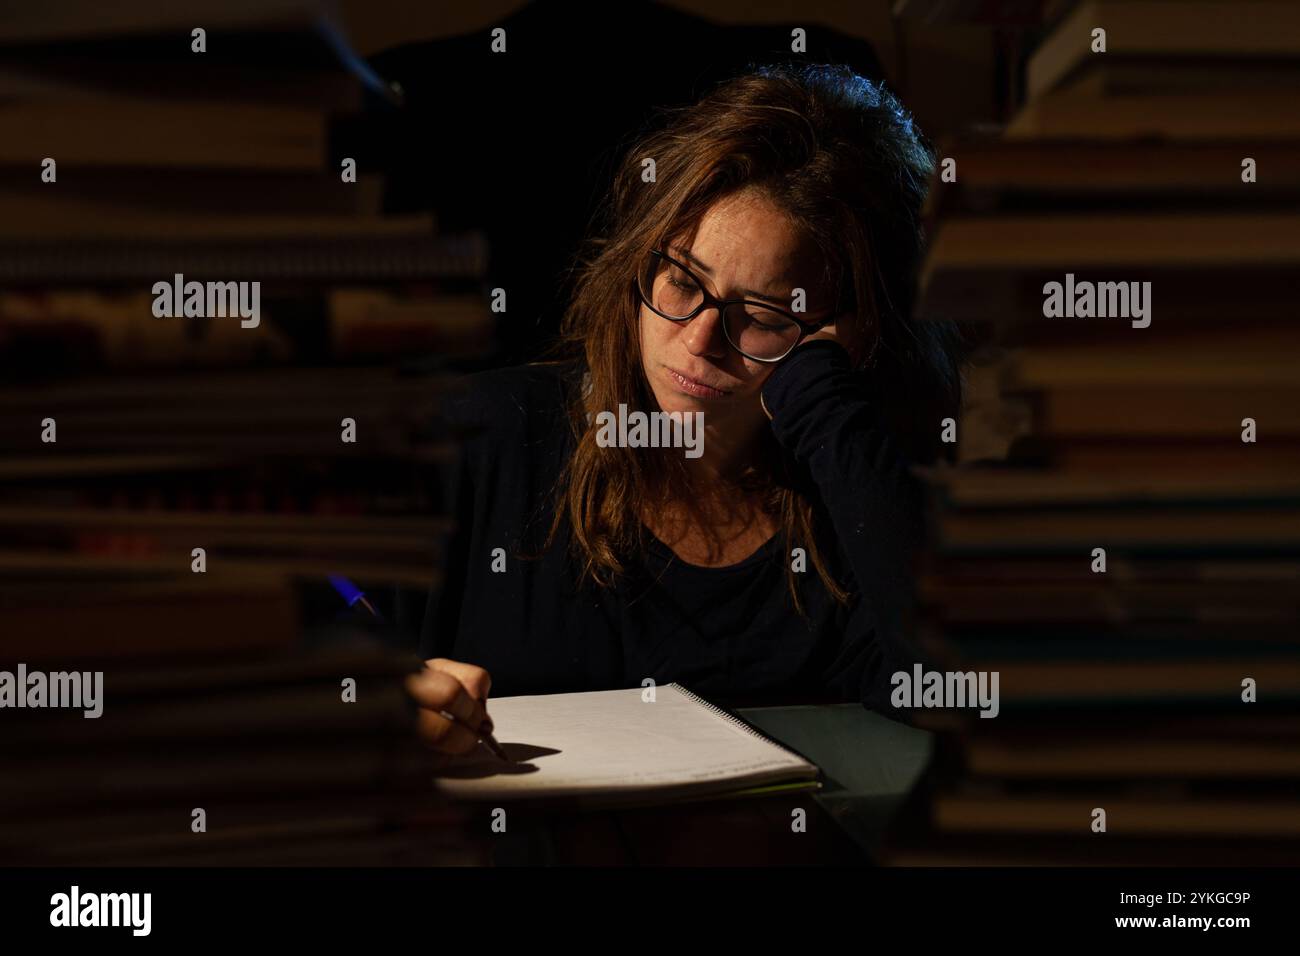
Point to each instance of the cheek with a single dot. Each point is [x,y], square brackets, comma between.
[648,339]
[642,329]
[653,333]
[759,372]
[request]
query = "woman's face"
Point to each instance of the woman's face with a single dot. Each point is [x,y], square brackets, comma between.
[744,247]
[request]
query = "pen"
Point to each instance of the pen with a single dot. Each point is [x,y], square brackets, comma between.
[485,738]
[354,595]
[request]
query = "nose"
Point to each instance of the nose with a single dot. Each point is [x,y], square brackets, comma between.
[704,335]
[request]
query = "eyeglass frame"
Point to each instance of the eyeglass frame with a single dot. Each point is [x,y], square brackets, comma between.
[709,300]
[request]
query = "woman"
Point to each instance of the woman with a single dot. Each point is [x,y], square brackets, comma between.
[759,271]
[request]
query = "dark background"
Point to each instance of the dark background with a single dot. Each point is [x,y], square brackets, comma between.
[524,145]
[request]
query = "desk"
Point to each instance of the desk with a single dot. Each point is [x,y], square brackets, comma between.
[868,762]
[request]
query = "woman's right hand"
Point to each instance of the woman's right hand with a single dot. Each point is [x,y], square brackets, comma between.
[458,688]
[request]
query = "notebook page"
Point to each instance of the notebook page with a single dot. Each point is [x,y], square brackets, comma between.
[613,741]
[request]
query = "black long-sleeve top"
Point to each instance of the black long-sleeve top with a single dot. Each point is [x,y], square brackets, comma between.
[731,634]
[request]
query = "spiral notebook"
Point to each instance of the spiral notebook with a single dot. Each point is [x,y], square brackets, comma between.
[617,747]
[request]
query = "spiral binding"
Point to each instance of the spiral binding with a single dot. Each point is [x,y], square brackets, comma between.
[753,732]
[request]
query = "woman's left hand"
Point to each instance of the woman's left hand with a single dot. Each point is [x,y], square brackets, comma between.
[849,334]
[850,337]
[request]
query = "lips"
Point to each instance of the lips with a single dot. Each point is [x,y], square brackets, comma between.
[694,386]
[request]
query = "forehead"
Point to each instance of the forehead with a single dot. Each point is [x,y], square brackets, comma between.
[748,240]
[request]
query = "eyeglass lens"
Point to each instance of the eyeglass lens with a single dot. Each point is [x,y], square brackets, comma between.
[754,330]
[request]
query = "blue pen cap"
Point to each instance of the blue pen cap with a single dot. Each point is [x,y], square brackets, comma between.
[347,590]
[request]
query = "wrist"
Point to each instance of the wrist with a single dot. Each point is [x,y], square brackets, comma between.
[809,363]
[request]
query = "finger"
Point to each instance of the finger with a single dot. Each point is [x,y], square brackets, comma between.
[436,692]
[443,735]
[475,679]
[439,690]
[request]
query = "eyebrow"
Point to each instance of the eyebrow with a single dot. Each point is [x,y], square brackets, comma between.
[747,293]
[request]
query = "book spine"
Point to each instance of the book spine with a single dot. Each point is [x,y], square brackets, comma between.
[342,260]
[738,722]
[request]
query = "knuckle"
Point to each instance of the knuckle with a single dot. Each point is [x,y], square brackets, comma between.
[444,736]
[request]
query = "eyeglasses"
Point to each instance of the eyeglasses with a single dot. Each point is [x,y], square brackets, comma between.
[757,330]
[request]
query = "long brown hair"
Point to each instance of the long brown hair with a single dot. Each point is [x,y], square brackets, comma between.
[840,156]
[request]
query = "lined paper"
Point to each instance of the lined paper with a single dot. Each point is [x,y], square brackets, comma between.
[615,744]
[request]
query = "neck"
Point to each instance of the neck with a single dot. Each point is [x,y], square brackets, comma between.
[730,446]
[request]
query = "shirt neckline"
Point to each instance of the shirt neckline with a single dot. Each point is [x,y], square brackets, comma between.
[667,554]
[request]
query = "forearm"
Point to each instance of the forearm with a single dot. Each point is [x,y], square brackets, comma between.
[823,417]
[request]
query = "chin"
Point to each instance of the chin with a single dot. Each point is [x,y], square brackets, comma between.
[685,404]
[670,401]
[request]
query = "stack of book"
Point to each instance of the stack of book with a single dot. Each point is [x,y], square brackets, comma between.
[247,465]
[152,156]
[208,745]
[220,364]
[1129,569]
